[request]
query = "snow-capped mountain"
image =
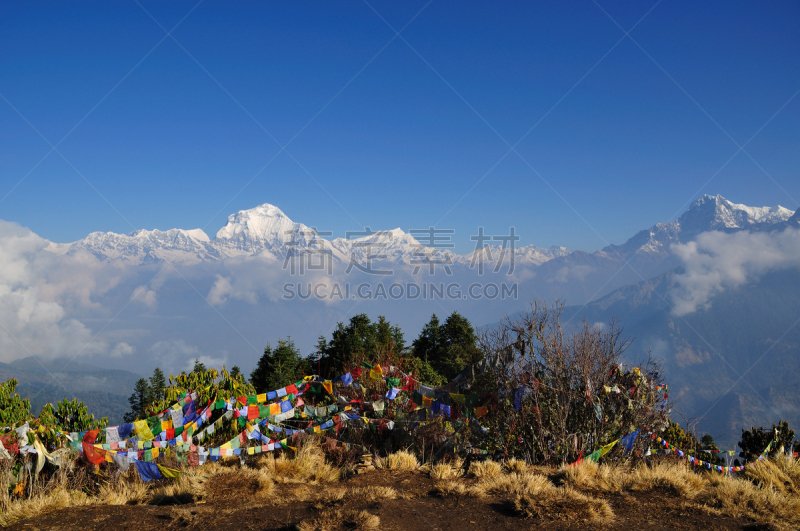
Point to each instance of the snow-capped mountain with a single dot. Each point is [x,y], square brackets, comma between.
[266,229]
[146,246]
[262,228]
[706,214]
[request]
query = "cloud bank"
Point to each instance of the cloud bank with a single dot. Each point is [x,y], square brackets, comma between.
[717,261]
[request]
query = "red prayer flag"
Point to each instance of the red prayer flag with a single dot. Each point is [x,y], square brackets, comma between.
[93,455]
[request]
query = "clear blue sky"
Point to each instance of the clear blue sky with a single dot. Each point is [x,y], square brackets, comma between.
[395,132]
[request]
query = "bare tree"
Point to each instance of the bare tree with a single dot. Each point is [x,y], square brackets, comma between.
[564,392]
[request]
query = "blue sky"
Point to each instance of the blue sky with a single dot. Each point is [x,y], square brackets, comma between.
[612,134]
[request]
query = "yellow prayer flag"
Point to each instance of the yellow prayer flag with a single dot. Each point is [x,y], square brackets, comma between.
[317,429]
[262,398]
[140,444]
[376,373]
[143,430]
[225,446]
[275,409]
[169,473]
[426,401]
[166,425]
[607,448]
[328,385]
[155,452]
[251,451]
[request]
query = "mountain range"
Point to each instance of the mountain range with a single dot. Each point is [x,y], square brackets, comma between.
[577,277]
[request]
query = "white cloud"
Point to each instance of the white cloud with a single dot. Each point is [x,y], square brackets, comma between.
[208,361]
[717,261]
[122,349]
[145,296]
[31,322]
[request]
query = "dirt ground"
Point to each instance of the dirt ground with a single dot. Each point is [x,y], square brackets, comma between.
[420,508]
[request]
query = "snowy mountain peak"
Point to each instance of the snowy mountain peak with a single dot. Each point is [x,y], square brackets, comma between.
[155,234]
[717,213]
[264,226]
[146,246]
[710,212]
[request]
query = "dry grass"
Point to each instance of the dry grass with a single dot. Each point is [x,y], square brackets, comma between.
[513,484]
[790,467]
[515,465]
[333,496]
[735,497]
[677,477]
[126,490]
[219,483]
[372,493]
[445,470]
[58,498]
[591,477]
[563,503]
[485,469]
[308,466]
[768,493]
[770,473]
[336,519]
[401,461]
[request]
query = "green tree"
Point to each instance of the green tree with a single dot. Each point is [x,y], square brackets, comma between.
[199,366]
[448,347]
[13,408]
[235,371]
[279,367]
[71,416]
[157,384]
[755,440]
[359,340]
[142,396]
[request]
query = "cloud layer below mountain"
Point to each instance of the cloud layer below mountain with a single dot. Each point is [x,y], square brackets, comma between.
[716,261]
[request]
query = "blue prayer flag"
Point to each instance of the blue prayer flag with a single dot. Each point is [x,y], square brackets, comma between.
[147,471]
[628,440]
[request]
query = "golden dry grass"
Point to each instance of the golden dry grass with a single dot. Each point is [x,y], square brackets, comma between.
[737,497]
[770,473]
[485,469]
[57,498]
[401,461]
[591,477]
[308,466]
[768,493]
[515,465]
[336,519]
[219,483]
[677,477]
[563,503]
